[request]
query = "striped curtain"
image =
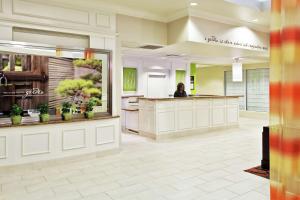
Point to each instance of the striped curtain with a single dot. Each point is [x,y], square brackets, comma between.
[285,100]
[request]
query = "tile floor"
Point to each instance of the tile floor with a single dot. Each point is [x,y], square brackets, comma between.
[203,167]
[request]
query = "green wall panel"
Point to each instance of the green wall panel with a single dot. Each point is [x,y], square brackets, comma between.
[180,76]
[193,70]
[129,79]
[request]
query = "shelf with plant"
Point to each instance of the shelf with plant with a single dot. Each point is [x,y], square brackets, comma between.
[16,114]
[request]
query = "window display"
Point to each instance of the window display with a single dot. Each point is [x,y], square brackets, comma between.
[42,80]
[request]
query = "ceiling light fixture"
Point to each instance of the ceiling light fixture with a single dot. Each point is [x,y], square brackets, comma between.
[255,20]
[194,4]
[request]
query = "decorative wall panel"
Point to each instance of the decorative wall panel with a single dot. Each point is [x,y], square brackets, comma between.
[105,135]
[1,6]
[103,20]
[166,121]
[201,121]
[232,114]
[185,119]
[36,143]
[74,139]
[218,116]
[52,12]
[3,153]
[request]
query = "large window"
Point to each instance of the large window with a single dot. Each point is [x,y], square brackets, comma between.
[32,75]
[258,90]
[254,89]
[236,89]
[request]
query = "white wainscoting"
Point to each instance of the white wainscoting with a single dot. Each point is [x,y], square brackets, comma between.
[73,139]
[105,135]
[171,117]
[166,121]
[26,144]
[31,147]
[3,151]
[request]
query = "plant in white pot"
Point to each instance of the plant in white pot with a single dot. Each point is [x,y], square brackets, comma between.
[16,114]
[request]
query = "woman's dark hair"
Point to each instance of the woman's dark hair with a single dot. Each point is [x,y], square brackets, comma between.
[180,85]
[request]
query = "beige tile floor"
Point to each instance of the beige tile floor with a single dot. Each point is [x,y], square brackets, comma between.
[204,167]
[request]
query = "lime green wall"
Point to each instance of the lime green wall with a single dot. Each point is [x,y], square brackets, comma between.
[210,81]
[193,70]
[129,79]
[180,76]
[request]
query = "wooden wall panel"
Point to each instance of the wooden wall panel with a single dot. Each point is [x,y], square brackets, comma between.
[59,70]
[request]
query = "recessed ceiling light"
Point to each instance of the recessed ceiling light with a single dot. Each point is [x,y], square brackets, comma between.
[194,4]
[255,20]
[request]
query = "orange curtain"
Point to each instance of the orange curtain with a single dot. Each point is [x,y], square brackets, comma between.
[285,100]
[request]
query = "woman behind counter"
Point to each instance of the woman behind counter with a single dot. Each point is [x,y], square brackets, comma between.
[180,91]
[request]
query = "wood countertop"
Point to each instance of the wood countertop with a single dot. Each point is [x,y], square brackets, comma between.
[189,98]
[58,120]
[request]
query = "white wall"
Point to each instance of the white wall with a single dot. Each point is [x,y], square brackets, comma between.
[196,29]
[199,29]
[138,31]
[146,66]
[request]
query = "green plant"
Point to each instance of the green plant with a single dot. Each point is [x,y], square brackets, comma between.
[66,107]
[67,111]
[15,113]
[96,101]
[16,110]
[91,63]
[44,112]
[43,108]
[90,105]
[77,88]
[89,114]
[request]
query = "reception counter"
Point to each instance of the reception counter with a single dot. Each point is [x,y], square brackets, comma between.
[161,118]
[58,139]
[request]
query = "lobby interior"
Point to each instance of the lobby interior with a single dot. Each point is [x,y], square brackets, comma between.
[87,106]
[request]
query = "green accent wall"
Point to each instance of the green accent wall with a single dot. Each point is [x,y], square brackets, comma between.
[129,79]
[180,76]
[193,69]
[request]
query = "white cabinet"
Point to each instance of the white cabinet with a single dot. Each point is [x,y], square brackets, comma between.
[161,118]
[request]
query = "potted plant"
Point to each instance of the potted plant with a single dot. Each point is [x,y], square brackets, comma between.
[89,113]
[44,113]
[16,112]
[97,104]
[66,111]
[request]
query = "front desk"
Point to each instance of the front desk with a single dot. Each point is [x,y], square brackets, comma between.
[40,142]
[163,118]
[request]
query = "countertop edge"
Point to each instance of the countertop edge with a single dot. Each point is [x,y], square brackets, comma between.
[53,122]
[189,98]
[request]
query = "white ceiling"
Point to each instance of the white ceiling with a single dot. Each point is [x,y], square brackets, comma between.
[207,54]
[231,11]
